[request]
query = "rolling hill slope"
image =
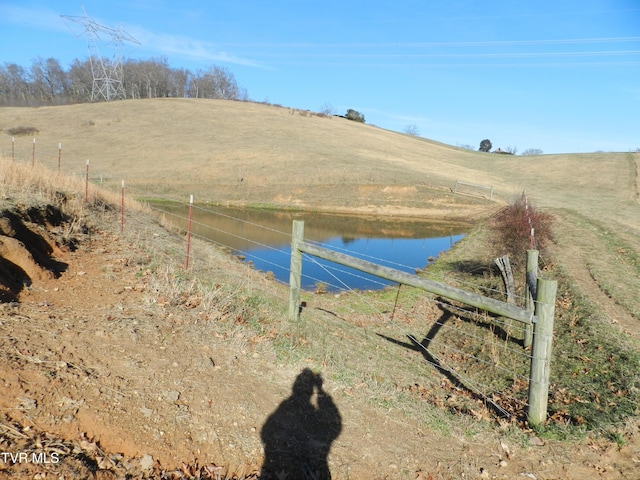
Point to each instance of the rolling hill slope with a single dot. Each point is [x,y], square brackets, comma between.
[261,154]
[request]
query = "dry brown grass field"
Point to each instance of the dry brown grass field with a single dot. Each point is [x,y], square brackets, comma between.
[116,358]
[261,154]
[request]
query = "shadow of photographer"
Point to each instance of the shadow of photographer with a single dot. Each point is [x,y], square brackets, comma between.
[297,436]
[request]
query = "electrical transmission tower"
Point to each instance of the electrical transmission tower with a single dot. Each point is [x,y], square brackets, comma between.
[107,73]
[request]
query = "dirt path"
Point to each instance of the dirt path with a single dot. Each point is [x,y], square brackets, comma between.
[125,381]
[589,252]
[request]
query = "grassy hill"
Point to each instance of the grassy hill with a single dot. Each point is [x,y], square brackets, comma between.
[263,155]
[260,154]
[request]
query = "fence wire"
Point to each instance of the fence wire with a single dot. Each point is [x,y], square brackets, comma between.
[340,281]
[438,350]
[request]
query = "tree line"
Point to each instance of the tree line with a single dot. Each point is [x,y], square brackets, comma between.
[46,82]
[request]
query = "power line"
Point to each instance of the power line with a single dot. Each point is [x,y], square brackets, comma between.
[497,43]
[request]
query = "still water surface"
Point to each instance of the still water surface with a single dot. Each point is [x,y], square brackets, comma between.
[263,237]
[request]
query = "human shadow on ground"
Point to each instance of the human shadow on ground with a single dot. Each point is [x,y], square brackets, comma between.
[297,436]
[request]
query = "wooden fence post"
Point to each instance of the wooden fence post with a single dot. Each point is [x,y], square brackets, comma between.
[504,265]
[531,280]
[541,353]
[295,272]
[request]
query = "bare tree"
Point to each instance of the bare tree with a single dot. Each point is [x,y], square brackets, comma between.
[80,81]
[49,81]
[14,86]
[177,82]
[131,80]
[147,78]
[37,80]
[327,109]
[412,130]
[195,84]
[223,84]
[532,151]
[466,147]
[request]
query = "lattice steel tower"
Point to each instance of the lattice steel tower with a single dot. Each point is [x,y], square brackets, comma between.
[107,73]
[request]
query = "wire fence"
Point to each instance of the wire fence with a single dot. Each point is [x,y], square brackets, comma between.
[461,343]
[454,349]
[62,158]
[476,353]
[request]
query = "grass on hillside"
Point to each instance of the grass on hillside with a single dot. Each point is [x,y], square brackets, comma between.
[591,363]
[612,259]
[261,154]
[595,382]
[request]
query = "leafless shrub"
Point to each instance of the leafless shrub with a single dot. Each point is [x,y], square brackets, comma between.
[22,131]
[514,223]
[412,130]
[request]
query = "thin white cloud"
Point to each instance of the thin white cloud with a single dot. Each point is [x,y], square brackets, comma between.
[160,43]
[39,19]
[417,45]
[177,45]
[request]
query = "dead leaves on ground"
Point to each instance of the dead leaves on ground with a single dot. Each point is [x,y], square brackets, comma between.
[84,458]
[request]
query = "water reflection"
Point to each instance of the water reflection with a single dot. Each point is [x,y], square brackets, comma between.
[263,237]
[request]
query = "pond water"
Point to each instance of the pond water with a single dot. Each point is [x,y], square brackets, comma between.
[263,238]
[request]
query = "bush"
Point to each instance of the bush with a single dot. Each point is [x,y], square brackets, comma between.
[513,226]
[22,131]
[354,115]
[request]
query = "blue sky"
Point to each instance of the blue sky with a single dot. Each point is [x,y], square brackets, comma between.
[557,75]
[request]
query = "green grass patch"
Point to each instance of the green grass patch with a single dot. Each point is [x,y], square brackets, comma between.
[595,371]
